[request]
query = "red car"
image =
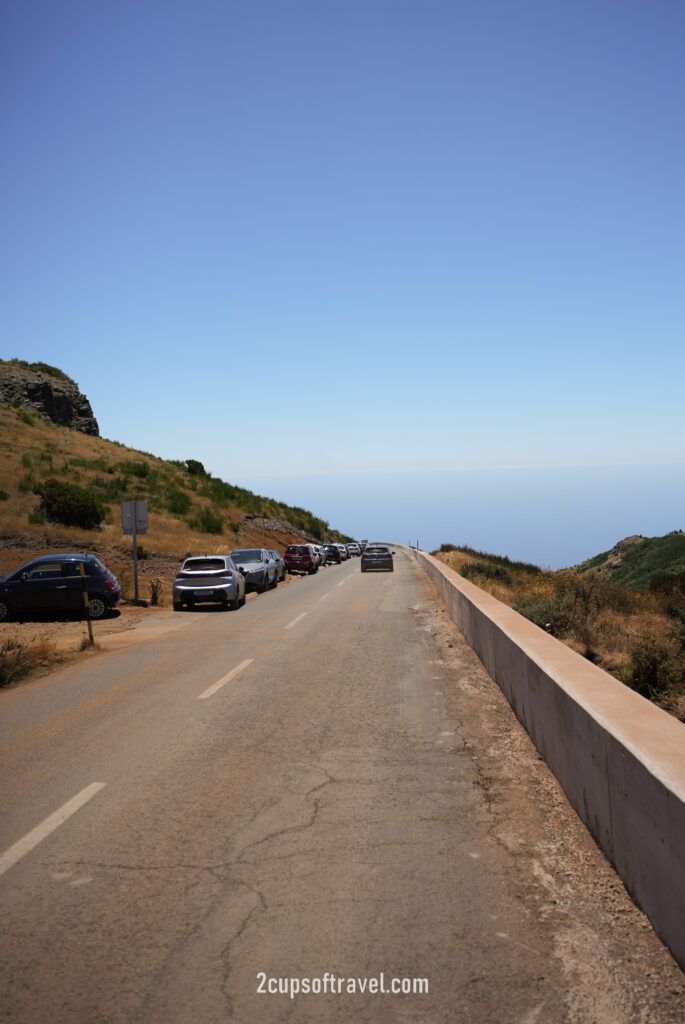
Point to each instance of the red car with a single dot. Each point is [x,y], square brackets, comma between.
[301,558]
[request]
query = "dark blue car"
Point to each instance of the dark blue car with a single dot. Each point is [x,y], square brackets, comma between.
[52,583]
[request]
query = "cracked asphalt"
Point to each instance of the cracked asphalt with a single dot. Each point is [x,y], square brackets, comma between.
[359,800]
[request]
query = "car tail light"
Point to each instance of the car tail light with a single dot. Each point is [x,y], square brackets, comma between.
[109,584]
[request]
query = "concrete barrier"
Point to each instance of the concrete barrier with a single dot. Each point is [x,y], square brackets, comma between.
[619,759]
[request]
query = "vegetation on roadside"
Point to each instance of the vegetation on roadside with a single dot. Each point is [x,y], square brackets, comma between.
[80,480]
[632,624]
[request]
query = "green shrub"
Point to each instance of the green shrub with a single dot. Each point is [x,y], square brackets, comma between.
[235,527]
[70,505]
[3,495]
[195,468]
[207,521]
[651,670]
[36,517]
[25,416]
[178,502]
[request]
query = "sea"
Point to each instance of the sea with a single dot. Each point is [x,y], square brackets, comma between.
[553,517]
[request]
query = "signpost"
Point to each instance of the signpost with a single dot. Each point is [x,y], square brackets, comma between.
[133,522]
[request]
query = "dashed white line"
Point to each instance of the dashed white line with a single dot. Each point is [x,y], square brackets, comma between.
[326,595]
[42,831]
[295,621]
[342,581]
[225,679]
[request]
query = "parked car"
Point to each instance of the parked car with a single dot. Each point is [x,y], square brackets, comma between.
[53,583]
[321,552]
[333,553]
[377,556]
[301,558]
[208,578]
[344,553]
[354,549]
[280,566]
[257,567]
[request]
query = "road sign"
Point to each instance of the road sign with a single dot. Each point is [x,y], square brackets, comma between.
[134,517]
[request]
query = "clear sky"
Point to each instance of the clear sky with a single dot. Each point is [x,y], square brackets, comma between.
[293,237]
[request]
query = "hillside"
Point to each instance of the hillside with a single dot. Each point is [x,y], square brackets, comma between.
[639,562]
[623,610]
[190,511]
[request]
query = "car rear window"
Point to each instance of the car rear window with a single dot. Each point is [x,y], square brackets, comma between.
[248,555]
[203,564]
[298,549]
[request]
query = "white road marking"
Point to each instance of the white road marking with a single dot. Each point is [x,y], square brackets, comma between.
[295,621]
[342,581]
[225,679]
[42,831]
[326,595]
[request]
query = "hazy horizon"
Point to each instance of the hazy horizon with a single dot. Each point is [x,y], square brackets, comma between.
[553,517]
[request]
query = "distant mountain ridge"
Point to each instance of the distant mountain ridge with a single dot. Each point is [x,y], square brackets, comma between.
[48,391]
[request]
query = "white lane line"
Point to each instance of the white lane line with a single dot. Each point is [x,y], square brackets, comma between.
[326,595]
[40,832]
[343,581]
[225,679]
[295,621]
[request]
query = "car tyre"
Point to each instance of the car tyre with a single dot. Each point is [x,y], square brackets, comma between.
[5,612]
[97,608]
[178,606]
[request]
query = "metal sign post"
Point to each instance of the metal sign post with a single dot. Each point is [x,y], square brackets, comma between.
[133,522]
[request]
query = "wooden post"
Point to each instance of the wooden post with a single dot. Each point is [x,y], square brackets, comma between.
[85,602]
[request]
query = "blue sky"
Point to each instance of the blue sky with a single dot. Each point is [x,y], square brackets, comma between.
[283,237]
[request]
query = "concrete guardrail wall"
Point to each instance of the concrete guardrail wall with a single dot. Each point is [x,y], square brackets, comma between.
[619,758]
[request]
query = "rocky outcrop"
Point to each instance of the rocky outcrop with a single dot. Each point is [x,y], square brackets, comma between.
[53,395]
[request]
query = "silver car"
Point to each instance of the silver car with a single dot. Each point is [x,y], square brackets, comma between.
[258,568]
[209,578]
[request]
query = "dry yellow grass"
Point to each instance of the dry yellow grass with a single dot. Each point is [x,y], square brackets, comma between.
[608,624]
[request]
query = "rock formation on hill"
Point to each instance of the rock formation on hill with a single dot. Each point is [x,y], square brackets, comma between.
[46,390]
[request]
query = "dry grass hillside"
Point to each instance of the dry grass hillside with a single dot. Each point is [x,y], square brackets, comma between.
[637,635]
[190,512]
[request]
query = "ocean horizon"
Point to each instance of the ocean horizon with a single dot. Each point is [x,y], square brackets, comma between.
[552,517]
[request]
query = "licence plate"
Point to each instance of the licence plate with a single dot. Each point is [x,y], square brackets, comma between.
[203,593]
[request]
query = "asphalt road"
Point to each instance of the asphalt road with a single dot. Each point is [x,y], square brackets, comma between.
[321,790]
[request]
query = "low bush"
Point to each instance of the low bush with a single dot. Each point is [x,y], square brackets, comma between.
[70,504]
[487,570]
[178,502]
[206,521]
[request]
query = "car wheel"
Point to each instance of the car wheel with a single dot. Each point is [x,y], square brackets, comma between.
[363,569]
[265,585]
[96,608]
[234,605]
[178,606]
[4,611]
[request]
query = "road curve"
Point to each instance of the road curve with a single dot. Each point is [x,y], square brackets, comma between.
[275,814]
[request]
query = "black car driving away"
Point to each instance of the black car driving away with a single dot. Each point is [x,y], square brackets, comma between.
[377,556]
[52,583]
